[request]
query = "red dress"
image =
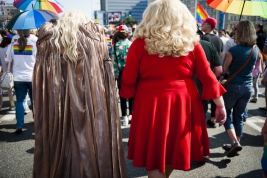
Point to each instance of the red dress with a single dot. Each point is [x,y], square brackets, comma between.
[168,124]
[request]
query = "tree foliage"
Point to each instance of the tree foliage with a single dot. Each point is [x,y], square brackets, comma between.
[128,21]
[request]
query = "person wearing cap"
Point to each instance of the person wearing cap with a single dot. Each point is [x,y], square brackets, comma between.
[207,27]
[119,56]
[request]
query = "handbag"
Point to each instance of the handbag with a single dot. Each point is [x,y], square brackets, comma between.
[7,79]
[224,82]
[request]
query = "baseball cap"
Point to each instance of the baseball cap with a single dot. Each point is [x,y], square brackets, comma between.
[211,21]
[123,28]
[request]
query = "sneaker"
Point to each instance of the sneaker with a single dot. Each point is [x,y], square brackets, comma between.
[130,118]
[263,109]
[236,147]
[12,108]
[125,121]
[211,124]
[18,131]
[253,100]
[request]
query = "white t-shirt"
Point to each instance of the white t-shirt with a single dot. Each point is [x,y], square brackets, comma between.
[224,40]
[2,57]
[15,38]
[230,43]
[23,61]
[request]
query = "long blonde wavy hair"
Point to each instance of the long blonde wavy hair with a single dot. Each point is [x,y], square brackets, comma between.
[65,33]
[169,29]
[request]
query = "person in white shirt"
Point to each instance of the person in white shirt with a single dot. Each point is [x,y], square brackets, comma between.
[224,39]
[23,55]
[6,40]
[15,38]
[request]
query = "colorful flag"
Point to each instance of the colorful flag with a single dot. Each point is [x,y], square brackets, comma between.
[201,14]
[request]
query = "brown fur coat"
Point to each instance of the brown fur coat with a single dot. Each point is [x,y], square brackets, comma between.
[76,119]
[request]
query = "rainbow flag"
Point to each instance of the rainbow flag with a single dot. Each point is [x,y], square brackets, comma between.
[28,50]
[201,14]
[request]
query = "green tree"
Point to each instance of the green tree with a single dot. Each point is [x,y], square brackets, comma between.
[128,21]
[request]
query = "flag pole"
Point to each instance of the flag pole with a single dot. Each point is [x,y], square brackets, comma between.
[195,14]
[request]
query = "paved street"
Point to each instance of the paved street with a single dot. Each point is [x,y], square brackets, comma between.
[16,151]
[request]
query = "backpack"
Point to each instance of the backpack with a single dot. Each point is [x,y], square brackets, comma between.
[261,37]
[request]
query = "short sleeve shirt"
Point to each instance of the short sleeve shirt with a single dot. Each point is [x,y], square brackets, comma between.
[240,55]
[120,56]
[214,40]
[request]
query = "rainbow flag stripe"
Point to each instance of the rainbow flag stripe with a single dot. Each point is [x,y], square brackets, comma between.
[201,14]
[28,50]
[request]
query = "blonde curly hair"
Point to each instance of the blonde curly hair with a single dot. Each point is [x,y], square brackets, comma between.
[65,33]
[169,29]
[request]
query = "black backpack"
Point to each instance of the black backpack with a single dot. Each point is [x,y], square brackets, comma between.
[261,38]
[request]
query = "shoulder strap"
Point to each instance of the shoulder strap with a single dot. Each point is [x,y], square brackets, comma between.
[242,67]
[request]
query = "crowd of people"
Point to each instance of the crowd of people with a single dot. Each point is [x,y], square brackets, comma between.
[168,71]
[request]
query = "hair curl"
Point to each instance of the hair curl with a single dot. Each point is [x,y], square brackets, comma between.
[169,29]
[65,33]
[245,33]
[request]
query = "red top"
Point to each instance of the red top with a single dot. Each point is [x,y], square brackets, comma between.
[168,123]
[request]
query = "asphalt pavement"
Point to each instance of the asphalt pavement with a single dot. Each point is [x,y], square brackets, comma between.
[16,151]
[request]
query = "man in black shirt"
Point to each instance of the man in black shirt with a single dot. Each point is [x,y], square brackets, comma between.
[208,27]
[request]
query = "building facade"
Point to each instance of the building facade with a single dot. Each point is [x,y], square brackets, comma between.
[7,12]
[133,8]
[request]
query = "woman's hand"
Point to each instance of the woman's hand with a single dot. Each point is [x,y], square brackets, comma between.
[220,115]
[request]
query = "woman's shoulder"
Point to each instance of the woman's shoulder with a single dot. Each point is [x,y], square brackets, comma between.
[139,40]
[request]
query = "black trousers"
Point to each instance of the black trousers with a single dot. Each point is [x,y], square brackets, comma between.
[123,105]
[205,104]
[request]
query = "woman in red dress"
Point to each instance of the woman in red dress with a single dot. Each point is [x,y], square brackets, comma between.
[168,124]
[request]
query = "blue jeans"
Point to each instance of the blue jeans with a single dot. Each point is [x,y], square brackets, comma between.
[236,98]
[21,89]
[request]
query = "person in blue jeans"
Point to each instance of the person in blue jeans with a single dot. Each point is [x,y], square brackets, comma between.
[239,89]
[23,55]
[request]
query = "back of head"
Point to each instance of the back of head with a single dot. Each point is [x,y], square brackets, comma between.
[260,27]
[3,33]
[23,35]
[65,32]
[245,33]
[122,33]
[222,32]
[169,29]
[6,40]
